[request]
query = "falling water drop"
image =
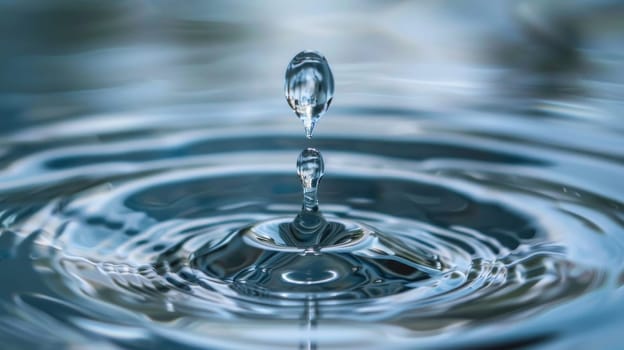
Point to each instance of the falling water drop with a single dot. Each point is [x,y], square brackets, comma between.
[309,87]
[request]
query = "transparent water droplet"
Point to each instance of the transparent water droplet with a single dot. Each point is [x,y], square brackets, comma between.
[309,87]
[310,168]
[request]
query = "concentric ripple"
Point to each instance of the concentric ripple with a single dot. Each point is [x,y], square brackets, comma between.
[175,239]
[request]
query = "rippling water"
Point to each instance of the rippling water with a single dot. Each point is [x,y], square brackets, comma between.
[480,148]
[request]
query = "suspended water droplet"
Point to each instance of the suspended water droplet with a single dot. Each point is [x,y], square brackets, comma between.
[309,87]
[310,168]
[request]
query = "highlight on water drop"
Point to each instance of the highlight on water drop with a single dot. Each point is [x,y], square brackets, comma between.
[309,87]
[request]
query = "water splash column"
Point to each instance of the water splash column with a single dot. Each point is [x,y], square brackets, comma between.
[310,168]
[309,89]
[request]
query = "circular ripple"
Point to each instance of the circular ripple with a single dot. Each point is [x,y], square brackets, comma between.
[200,232]
[463,236]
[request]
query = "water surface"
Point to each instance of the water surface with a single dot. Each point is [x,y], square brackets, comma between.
[484,141]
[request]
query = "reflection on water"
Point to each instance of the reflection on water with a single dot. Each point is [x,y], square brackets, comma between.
[139,142]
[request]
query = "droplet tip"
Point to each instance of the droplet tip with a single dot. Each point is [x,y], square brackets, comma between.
[308,132]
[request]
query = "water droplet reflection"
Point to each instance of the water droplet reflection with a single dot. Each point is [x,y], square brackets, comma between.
[309,87]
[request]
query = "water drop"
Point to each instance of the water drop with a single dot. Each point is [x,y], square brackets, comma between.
[309,87]
[310,168]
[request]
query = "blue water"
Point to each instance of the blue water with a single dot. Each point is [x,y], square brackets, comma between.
[472,194]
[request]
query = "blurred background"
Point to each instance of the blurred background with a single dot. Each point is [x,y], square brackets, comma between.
[109,63]
[125,126]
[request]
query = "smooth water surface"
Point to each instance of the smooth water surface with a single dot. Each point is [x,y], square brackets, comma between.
[472,196]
